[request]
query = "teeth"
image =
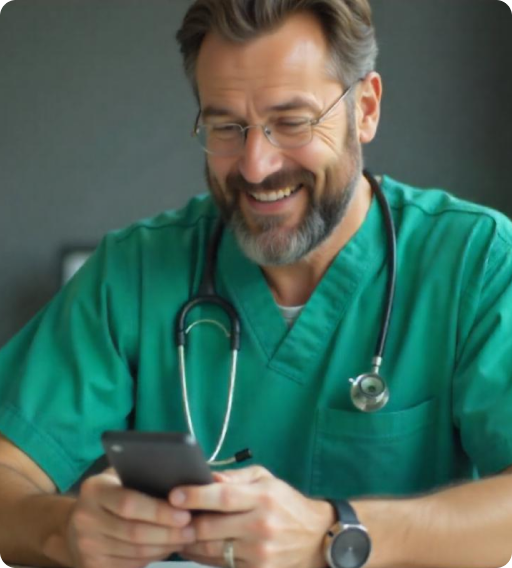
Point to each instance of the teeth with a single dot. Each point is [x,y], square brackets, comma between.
[270,196]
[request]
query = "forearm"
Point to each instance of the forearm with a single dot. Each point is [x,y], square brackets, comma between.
[466,526]
[32,523]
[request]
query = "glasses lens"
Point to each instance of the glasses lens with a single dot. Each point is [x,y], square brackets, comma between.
[229,139]
[222,139]
[290,132]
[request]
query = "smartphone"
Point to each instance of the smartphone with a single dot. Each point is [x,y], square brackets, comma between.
[156,462]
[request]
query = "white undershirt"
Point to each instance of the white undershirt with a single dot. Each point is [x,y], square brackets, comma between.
[290,313]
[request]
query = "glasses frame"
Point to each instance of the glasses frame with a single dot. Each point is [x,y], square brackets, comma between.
[266,130]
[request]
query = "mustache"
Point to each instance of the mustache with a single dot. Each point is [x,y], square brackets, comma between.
[236,183]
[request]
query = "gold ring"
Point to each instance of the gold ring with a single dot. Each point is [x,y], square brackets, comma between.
[229,554]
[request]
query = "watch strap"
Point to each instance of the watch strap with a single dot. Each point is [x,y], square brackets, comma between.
[344,511]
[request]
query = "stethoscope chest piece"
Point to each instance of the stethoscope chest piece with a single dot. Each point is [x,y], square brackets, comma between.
[369,392]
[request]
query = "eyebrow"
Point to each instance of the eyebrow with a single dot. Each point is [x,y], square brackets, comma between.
[297,103]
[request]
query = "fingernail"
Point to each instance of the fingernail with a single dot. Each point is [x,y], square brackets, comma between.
[188,534]
[181,517]
[177,497]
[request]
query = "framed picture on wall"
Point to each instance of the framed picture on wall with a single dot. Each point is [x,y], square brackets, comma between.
[72,258]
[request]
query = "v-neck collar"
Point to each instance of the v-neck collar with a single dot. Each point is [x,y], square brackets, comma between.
[294,352]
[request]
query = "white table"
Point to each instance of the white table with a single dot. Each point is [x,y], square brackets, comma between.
[152,565]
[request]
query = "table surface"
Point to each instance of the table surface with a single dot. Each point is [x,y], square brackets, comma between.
[152,565]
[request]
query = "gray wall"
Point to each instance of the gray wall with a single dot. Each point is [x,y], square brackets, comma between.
[95,116]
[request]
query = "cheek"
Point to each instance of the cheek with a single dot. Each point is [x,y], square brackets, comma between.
[329,143]
[318,157]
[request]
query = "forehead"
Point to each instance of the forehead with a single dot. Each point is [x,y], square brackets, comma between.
[295,56]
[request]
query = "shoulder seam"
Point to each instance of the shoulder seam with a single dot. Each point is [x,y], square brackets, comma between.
[142,225]
[482,213]
[438,213]
[498,229]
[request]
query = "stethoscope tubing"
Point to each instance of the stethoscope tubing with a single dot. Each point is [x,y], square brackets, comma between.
[181,329]
[392,268]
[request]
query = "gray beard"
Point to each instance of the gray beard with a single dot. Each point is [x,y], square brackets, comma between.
[275,246]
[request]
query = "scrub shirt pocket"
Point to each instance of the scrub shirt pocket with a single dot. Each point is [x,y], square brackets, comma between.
[356,453]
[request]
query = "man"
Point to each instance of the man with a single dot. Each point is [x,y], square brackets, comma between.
[287,93]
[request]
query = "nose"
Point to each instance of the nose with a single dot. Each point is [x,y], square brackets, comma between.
[259,158]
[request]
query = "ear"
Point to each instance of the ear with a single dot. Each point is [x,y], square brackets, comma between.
[368,99]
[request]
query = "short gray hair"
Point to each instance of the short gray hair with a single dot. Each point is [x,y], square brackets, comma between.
[347,25]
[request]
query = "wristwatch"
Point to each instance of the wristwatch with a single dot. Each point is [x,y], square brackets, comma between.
[347,544]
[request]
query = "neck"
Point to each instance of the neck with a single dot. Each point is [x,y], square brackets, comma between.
[292,285]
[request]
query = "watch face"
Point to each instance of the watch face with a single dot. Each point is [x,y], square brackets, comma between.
[351,548]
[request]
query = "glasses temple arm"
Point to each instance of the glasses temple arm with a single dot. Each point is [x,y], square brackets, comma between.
[328,112]
[196,123]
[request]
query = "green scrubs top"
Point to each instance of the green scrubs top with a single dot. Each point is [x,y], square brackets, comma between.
[69,375]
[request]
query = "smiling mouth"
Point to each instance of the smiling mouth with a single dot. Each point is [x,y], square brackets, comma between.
[273,196]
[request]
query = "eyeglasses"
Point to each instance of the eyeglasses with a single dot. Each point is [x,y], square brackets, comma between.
[228,139]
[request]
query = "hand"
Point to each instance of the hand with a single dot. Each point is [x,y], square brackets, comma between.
[270,523]
[114,527]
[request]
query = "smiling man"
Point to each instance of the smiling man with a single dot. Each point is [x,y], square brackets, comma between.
[283,189]
[409,469]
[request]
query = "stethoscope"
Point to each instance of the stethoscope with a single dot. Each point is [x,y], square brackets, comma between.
[369,392]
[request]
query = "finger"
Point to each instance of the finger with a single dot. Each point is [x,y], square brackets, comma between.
[211,553]
[147,552]
[113,562]
[136,506]
[222,497]
[245,475]
[136,532]
[254,554]
[221,526]
[206,560]
[144,534]
[213,550]
[112,472]
[219,476]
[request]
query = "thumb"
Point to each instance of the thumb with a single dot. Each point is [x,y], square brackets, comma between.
[111,473]
[250,474]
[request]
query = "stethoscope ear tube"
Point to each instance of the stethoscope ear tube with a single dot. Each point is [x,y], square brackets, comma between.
[181,329]
[208,295]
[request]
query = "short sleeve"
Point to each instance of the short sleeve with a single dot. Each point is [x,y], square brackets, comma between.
[482,387]
[66,377]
